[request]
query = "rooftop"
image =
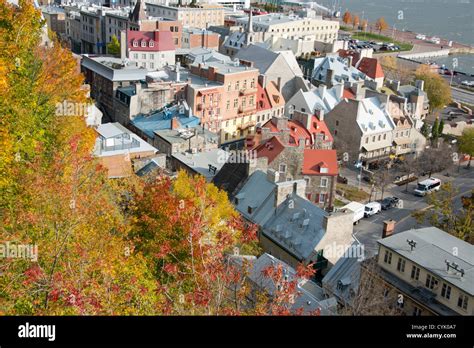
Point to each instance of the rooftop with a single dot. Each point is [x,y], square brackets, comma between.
[161,120]
[203,162]
[433,247]
[341,71]
[113,69]
[297,226]
[320,162]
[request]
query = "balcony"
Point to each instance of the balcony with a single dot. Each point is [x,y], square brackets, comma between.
[247,91]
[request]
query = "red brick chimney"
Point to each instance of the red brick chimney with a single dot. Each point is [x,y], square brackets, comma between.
[174,123]
[388,228]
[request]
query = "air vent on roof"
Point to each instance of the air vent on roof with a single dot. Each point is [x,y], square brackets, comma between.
[295,216]
[381,124]
[278,228]
[305,223]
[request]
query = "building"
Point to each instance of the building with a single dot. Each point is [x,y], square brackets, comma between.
[74,30]
[117,148]
[200,16]
[309,298]
[364,128]
[292,228]
[275,66]
[290,26]
[230,99]
[372,68]
[332,70]
[432,269]
[55,18]
[146,125]
[195,38]
[160,88]
[151,50]
[205,163]
[418,104]
[105,75]
[319,100]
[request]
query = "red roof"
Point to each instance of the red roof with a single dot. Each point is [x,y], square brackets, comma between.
[348,53]
[297,131]
[371,67]
[270,149]
[320,127]
[348,94]
[315,161]
[263,103]
[154,41]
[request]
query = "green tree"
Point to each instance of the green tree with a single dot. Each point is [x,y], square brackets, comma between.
[425,130]
[113,47]
[444,214]
[466,144]
[441,127]
[434,130]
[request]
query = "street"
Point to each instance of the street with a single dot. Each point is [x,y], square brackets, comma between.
[369,230]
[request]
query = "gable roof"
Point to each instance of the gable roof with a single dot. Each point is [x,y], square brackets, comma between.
[315,159]
[162,40]
[138,13]
[262,58]
[371,67]
[297,227]
[230,176]
[270,149]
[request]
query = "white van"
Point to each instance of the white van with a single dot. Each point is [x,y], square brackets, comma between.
[372,208]
[427,186]
[357,208]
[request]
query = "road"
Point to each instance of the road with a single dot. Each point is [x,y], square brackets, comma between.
[462,96]
[369,230]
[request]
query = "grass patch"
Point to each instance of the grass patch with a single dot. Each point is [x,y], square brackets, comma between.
[404,46]
[338,203]
[352,193]
[344,28]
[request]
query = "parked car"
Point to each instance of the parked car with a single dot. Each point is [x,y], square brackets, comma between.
[427,186]
[357,208]
[421,37]
[372,208]
[389,202]
[341,179]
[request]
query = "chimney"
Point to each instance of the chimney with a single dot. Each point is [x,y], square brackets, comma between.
[177,70]
[273,175]
[279,86]
[262,80]
[320,115]
[303,117]
[329,77]
[339,90]
[349,61]
[388,228]
[322,90]
[174,123]
[123,44]
[420,84]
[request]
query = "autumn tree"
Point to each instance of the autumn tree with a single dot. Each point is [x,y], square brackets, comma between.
[466,144]
[437,89]
[113,47]
[381,25]
[396,71]
[355,21]
[347,18]
[433,160]
[364,24]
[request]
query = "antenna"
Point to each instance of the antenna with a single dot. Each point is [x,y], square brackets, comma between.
[411,243]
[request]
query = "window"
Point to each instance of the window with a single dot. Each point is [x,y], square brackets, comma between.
[430,281]
[337,123]
[251,100]
[380,137]
[282,168]
[236,103]
[367,140]
[416,311]
[152,65]
[143,44]
[462,301]
[252,84]
[373,139]
[227,105]
[415,273]
[322,198]
[401,265]
[135,43]
[152,56]
[446,291]
[237,86]
[152,44]
[144,56]
[324,182]
[387,257]
[244,102]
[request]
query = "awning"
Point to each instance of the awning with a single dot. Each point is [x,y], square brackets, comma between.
[376,146]
[402,141]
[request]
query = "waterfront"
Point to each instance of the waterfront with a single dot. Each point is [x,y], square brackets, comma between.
[449,19]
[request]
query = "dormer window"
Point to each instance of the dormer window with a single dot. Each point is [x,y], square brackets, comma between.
[152,43]
[135,43]
[143,43]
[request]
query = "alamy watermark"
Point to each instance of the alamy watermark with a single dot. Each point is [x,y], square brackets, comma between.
[337,251]
[68,108]
[19,251]
[238,156]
